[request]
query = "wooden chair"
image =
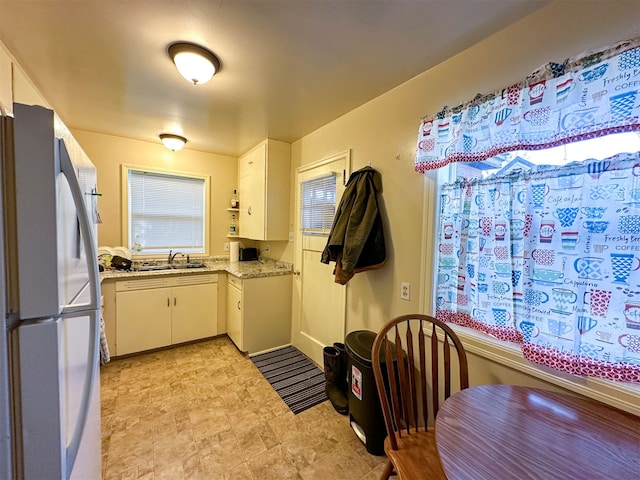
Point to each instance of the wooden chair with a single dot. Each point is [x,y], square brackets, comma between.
[412,389]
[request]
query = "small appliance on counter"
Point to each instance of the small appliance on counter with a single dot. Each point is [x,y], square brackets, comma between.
[248,254]
[120,263]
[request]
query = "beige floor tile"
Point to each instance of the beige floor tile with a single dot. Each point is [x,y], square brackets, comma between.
[273,465]
[343,461]
[204,412]
[376,473]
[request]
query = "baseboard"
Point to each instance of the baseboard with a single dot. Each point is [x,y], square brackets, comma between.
[269,350]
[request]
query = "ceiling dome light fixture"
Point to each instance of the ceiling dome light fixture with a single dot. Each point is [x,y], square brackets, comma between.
[172,142]
[194,62]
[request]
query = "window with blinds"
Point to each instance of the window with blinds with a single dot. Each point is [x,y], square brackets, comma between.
[166,212]
[318,205]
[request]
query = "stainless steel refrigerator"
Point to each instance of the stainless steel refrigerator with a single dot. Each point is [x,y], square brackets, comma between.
[50,297]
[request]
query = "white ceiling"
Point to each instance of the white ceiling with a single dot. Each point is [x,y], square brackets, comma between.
[288,66]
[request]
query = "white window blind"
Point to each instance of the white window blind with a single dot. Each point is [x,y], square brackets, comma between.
[318,200]
[166,212]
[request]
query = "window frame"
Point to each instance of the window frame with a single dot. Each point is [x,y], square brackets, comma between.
[124,174]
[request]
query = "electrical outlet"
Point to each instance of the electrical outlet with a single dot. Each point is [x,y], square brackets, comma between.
[226,246]
[405,291]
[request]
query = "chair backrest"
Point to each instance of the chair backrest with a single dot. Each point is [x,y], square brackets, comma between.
[424,344]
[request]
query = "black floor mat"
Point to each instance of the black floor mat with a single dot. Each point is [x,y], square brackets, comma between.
[293,376]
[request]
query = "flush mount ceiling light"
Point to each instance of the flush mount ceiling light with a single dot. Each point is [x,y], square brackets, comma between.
[173,142]
[195,63]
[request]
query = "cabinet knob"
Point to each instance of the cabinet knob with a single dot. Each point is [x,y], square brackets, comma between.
[238,304]
[249,211]
[296,272]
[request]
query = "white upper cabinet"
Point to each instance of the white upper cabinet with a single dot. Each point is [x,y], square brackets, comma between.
[263,183]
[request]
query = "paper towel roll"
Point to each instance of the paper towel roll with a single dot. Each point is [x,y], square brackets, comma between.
[234,251]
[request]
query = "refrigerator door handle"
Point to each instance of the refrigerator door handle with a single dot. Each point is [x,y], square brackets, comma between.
[85,229]
[74,443]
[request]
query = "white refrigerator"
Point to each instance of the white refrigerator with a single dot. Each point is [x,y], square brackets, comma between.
[50,297]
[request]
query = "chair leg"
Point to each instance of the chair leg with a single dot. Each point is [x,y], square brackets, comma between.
[388,470]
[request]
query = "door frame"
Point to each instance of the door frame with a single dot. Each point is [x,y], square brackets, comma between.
[296,312]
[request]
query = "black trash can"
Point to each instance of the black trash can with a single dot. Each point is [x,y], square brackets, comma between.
[365,412]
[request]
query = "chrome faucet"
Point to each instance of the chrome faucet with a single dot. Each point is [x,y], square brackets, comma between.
[172,257]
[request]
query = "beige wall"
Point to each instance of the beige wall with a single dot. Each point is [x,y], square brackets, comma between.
[384,131]
[15,86]
[108,153]
[6,81]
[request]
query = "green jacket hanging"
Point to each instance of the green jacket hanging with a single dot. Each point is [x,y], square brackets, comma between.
[356,242]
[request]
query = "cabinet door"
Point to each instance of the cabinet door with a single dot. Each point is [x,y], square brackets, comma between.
[251,181]
[266,315]
[234,315]
[195,312]
[143,320]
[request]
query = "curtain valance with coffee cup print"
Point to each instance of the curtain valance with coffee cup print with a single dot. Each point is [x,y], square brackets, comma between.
[549,259]
[594,94]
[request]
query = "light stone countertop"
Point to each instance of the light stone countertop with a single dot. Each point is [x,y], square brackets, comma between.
[266,267]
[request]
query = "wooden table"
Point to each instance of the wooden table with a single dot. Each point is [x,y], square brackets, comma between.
[509,432]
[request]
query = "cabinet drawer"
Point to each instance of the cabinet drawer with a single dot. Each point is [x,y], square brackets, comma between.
[235,281]
[160,281]
[194,279]
[141,283]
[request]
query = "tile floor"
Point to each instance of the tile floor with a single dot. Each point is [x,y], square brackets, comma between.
[203,411]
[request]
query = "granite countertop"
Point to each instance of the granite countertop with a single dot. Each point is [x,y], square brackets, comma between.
[265,267]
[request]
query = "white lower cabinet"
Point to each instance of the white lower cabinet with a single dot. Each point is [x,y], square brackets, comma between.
[234,312]
[155,312]
[194,313]
[143,320]
[259,312]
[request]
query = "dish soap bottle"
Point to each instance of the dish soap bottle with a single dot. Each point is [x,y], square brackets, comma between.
[233,227]
[234,200]
[137,245]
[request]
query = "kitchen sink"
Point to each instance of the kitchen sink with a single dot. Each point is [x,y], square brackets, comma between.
[167,266]
[180,266]
[152,268]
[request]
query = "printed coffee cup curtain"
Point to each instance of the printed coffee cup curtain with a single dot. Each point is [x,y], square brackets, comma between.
[587,96]
[549,259]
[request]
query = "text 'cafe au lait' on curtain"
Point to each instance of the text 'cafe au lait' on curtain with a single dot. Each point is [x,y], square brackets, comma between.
[538,240]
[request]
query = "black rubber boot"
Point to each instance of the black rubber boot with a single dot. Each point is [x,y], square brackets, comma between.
[342,377]
[331,375]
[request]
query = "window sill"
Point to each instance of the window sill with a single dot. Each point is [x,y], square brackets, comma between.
[624,396]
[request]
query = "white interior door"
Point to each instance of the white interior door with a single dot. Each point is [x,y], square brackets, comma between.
[318,316]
